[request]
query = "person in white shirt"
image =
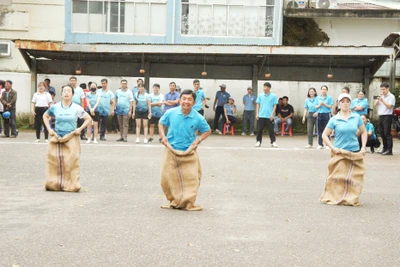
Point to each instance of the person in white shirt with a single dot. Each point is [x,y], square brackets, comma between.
[41,101]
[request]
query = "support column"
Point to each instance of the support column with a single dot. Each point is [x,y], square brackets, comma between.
[147,76]
[33,68]
[392,80]
[254,81]
[369,95]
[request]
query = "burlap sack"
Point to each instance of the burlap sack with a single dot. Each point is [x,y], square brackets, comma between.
[63,166]
[180,178]
[345,179]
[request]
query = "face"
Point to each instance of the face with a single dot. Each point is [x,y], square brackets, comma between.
[72,82]
[384,90]
[344,91]
[41,87]
[344,104]
[186,102]
[104,85]
[8,86]
[230,101]
[196,86]
[267,89]
[141,89]
[222,89]
[93,86]
[139,82]
[67,93]
[124,84]
[284,101]
[172,87]
[311,92]
[46,82]
[364,119]
[156,90]
[249,91]
[324,91]
[360,95]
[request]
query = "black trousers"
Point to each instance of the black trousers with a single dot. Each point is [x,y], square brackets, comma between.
[39,122]
[10,123]
[80,122]
[103,125]
[219,111]
[262,122]
[115,125]
[384,126]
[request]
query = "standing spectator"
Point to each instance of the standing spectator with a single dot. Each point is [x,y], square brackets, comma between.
[79,99]
[372,140]
[249,102]
[41,101]
[123,109]
[48,87]
[360,105]
[200,98]
[141,112]
[229,113]
[285,114]
[221,98]
[135,90]
[107,102]
[2,85]
[385,103]
[92,102]
[156,99]
[311,113]
[265,110]
[336,106]
[323,106]
[171,99]
[9,101]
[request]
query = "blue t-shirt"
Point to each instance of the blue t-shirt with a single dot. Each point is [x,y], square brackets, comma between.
[141,102]
[345,131]
[222,98]
[78,95]
[174,96]
[156,110]
[105,102]
[66,117]
[228,108]
[327,100]
[370,128]
[182,129]
[92,100]
[267,103]
[249,102]
[359,102]
[310,104]
[124,99]
[200,96]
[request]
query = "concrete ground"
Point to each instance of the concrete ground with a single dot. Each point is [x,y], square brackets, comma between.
[260,208]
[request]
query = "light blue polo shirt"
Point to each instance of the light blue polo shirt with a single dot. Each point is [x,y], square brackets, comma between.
[229,111]
[359,102]
[78,95]
[345,131]
[310,104]
[141,102]
[182,129]
[267,103]
[370,127]
[156,110]
[222,98]
[66,117]
[168,96]
[200,96]
[327,100]
[92,100]
[105,102]
[249,102]
[124,99]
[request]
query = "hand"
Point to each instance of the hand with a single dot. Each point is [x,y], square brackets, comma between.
[257,117]
[315,114]
[196,143]
[284,119]
[322,104]
[164,141]
[33,113]
[228,121]
[112,113]
[271,118]
[362,150]
[150,115]
[336,151]
[92,112]
[78,131]
[53,133]
[130,113]
[214,108]
[303,120]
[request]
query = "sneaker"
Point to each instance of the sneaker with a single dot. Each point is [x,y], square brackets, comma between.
[308,146]
[37,141]
[120,140]
[243,134]
[274,144]
[151,139]
[137,140]
[46,140]
[88,141]
[252,134]
[372,150]
[103,139]
[320,147]
[84,138]
[327,148]
[13,136]
[258,144]
[95,141]
[218,132]
[145,141]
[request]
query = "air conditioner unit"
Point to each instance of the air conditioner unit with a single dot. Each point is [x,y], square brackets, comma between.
[5,49]
[325,4]
[295,3]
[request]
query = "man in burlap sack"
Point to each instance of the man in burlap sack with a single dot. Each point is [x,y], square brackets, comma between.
[346,167]
[181,169]
[63,154]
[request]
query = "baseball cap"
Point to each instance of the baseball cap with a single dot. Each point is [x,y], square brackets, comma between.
[223,85]
[344,95]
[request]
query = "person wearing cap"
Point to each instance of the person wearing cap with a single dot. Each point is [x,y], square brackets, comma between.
[249,102]
[336,108]
[385,103]
[265,110]
[323,106]
[221,98]
[229,113]
[9,101]
[360,104]
[346,166]
[200,98]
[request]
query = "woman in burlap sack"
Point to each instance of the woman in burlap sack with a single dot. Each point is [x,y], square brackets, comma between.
[181,169]
[346,166]
[63,154]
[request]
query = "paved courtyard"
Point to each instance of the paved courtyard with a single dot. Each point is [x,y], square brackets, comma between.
[260,208]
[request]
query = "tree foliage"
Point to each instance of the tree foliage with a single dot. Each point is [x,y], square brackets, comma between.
[303,32]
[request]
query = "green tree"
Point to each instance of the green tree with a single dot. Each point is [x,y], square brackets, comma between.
[303,32]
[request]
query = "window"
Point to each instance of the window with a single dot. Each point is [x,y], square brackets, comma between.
[143,17]
[229,18]
[5,49]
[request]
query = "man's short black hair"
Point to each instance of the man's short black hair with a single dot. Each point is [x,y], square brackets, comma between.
[325,87]
[156,85]
[9,81]
[104,80]
[139,80]
[47,79]
[267,84]
[347,89]
[141,85]
[2,83]
[62,88]
[196,81]
[73,78]
[188,92]
[83,85]
[285,97]
[386,85]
